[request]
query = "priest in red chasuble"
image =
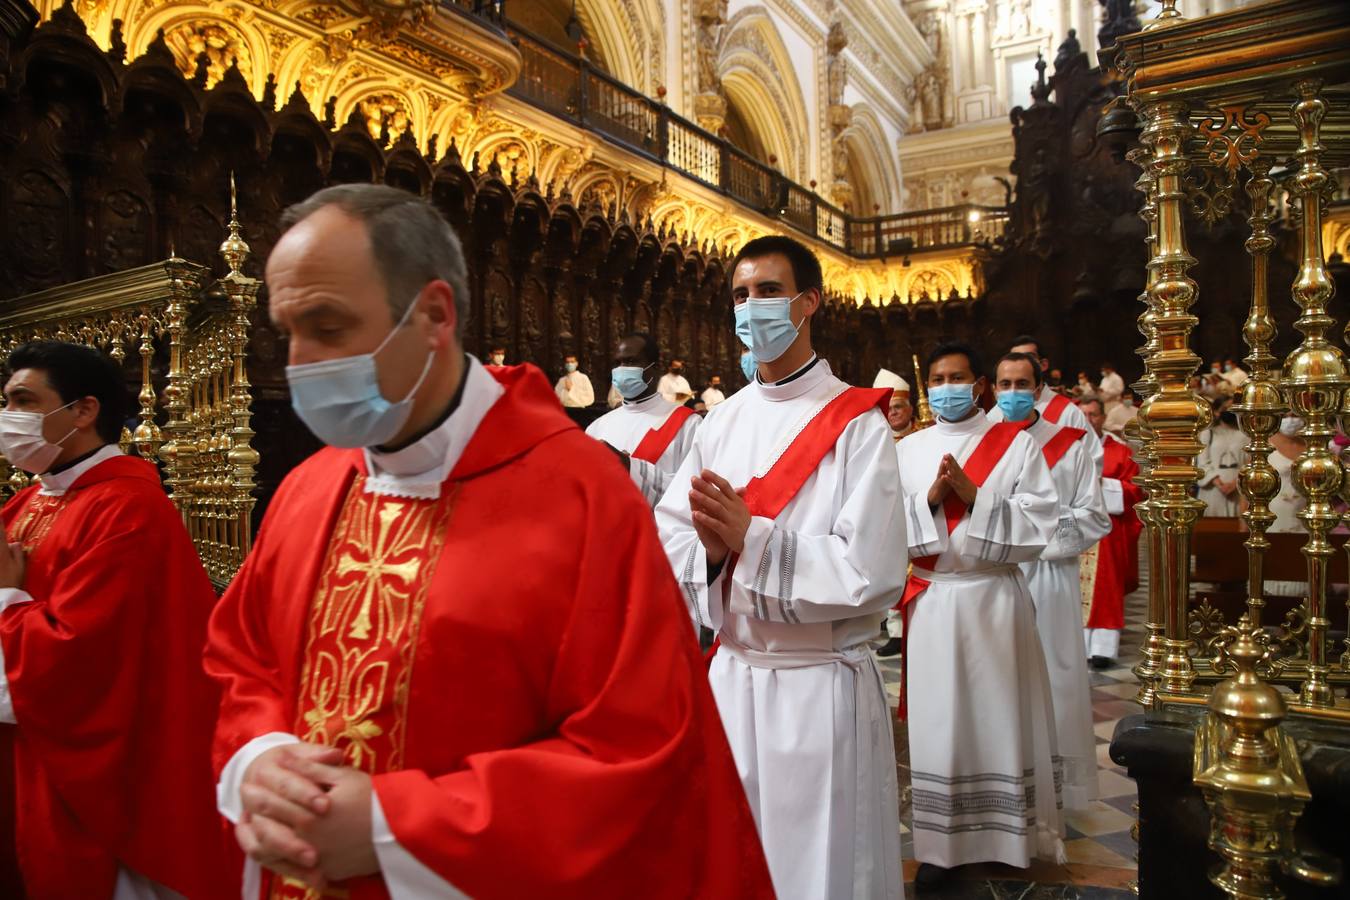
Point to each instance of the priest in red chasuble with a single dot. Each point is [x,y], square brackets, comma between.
[103,609]
[428,692]
[1111,569]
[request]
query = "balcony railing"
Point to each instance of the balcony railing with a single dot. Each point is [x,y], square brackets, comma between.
[567,86]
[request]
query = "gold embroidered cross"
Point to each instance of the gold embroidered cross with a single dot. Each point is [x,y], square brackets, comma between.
[376,568]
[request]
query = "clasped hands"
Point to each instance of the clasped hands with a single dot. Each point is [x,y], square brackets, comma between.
[307,816]
[720,515]
[951,478]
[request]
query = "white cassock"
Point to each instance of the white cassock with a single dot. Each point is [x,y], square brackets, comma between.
[1286,506]
[574,390]
[800,695]
[1055,589]
[1071,415]
[713,396]
[1225,448]
[625,427]
[981,725]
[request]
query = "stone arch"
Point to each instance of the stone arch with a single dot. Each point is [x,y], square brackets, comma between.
[871,163]
[757,74]
[631,37]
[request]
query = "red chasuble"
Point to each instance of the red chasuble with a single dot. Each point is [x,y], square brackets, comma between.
[1111,569]
[112,750]
[512,662]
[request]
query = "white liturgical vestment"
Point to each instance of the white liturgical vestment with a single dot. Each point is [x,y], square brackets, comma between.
[799,692]
[625,427]
[981,724]
[1054,584]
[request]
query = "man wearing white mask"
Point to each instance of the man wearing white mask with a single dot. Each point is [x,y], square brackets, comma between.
[782,526]
[574,388]
[110,770]
[978,500]
[1050,405]
[651,434]
[392,724]
[1053,579]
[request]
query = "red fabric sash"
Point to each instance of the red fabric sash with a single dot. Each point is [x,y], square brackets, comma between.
[1055,408]
[977,468]
[1057,446]
[655,442]
[768,495]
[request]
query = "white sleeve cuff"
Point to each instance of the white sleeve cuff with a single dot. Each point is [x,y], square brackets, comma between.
[9,597]
[228,801]
[405,876]
[1114,495]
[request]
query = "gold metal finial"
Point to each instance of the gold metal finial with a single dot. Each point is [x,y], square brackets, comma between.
[1250,774]
[1168,15]
[233,249]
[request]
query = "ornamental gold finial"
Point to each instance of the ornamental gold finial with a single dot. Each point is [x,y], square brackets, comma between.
[233,249]
[1168,15]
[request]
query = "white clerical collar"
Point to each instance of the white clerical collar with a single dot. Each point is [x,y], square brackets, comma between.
[809,376]
[976,421]
[56,484]
[418,470]
[644,405]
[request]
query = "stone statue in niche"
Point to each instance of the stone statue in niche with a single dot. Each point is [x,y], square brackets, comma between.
[711,24]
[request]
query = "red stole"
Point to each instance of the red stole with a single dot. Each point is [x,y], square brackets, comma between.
[655,442]
[768,495]
[1055,408]
[977,467]
[1059,444]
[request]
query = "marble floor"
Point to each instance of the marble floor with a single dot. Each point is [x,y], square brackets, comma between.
[1100,848]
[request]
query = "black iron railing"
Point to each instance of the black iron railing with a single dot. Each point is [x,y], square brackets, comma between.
[566,85]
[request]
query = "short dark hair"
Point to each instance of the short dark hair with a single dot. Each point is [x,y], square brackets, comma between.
[411,242]
[1028,339]
[1101,407]
[75,371]
[1027,358]
[650,351]
[805,267]
[955,348]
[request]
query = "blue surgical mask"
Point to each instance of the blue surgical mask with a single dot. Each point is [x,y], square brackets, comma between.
[765,326]
[951,401]
[340,400]
[748,365]
[570,367]
[630,381]
[1016,405]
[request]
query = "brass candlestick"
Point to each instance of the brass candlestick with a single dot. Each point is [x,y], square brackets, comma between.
[1314,380]
[1261,405]
[1153,650]
[1174,415]
[922,411]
